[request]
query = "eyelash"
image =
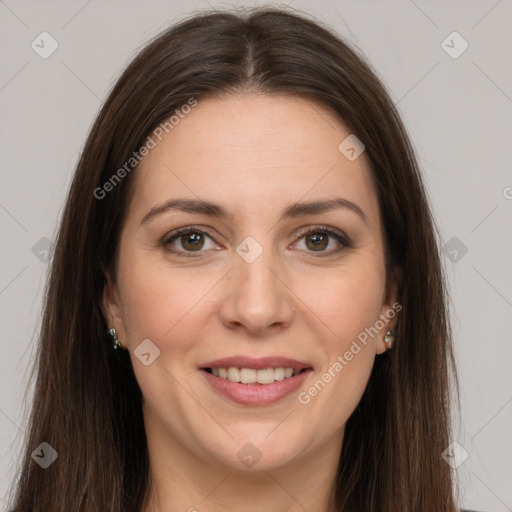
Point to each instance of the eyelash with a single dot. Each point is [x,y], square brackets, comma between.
[338,236]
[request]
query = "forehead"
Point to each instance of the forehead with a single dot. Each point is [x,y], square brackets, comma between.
[256,150]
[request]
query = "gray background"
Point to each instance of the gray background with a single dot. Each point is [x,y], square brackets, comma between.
[457,111]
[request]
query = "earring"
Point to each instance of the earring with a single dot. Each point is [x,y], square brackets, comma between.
[389,338]
[112,336]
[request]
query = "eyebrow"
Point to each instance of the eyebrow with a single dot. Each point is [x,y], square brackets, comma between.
[294,210]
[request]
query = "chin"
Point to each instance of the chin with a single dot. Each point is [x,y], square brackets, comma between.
[253,453]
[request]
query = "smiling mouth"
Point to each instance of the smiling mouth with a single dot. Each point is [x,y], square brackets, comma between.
[253,376]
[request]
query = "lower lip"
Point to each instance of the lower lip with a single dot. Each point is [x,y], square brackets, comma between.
[256,394]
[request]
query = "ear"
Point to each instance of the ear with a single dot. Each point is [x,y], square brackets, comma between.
[111,307]
[390,310]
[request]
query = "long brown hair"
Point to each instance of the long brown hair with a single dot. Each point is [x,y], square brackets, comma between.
[87,403]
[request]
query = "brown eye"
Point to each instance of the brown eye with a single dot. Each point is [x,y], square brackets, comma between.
[322,240]
[317,241]
[192,241]
[189,241]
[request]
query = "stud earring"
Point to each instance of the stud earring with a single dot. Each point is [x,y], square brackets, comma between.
[389,338]
[112,336]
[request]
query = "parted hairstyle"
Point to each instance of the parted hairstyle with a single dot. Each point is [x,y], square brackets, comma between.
[86,401]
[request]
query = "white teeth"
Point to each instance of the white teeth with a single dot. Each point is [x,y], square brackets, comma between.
[247,375]
[279,373]
[265,376]
[252,376]
[234,375]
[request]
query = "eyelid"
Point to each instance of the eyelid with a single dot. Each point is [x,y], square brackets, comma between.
[323,229]
[174,234]
[332,232]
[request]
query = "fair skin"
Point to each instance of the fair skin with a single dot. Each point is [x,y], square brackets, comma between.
[254,155]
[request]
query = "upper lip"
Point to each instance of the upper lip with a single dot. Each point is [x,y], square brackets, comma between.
[256,363]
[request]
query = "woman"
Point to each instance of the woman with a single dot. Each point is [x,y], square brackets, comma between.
[246,306]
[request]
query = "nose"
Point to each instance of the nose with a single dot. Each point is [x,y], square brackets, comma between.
[257,299]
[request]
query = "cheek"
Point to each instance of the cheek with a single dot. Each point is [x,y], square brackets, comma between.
[145,302]
[347,303]
[159,303]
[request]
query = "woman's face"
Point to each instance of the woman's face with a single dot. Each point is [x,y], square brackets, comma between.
[269,274]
